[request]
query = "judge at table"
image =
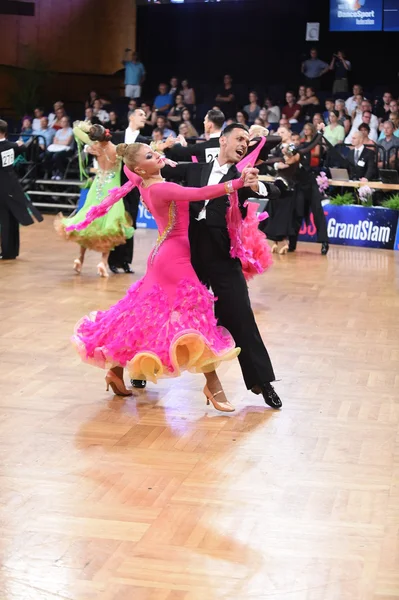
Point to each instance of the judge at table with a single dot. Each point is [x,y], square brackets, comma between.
[361,160]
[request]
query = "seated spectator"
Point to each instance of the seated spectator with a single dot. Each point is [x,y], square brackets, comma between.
[227,98]
[260,122]
[273,112]
[36,123]
[302,92]
[365,117]
[90,118]
[309,131]
[132,105]
[164,101]
[26,131]
[382,108]
[361,160]
[161,124]
[358,108]
[175,113]
[284,122]
[90,100]
[99,112]
[114,123]
[330,105]
[310,105]
[343,118]
[45,133]
[59,115]
[365,131]
[53,115]
[184,131]
[334,132]
[292,110]
[394,118]
[174,87]
[252,109]
[388,142]
[242,117]
[394,106]
[58,152]
[317,119]
[149,125]
[351,103]
[188,94]
[296,139]
[186,118]
[158,134]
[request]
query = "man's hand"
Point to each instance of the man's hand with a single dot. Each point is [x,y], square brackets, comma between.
[20,143]
[181,140]
[169,142]
[250,176]
[321,127]
[170,163]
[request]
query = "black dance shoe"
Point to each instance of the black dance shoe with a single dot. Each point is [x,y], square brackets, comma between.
[269,394]
[325,248]
[138,383]
[292,243]
[126,268]
[113,269]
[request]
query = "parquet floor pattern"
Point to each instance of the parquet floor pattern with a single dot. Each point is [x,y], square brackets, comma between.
[158,497]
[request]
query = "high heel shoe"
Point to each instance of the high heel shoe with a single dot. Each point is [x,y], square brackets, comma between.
[102,270]
[77,265]
[222,406]
[117,385]
[284,249]
[275,248]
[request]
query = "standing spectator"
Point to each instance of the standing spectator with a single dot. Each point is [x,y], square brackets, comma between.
[388,142]
[174,87]
[329,104]
[226,98]
[26,131]
[273,113]
[175,113]
[99,112]
[36,123]
[310,105]
[313,68]
[188,94]
[45,133]
[343,119]
[59,151]
[292,109]
[164,101]
[341,67]
[334,132]
[351,102]
[242,117]
[365,131]
[134,74]
[253,108]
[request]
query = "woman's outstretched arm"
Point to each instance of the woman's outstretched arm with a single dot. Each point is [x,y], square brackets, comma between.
[177,193]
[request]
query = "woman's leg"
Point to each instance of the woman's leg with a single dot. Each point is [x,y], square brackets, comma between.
[102,266]
[215,394]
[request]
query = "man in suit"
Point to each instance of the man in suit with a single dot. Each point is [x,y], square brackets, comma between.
[15,208]
[122,256]
[202,151]
[210,255]
[361,160]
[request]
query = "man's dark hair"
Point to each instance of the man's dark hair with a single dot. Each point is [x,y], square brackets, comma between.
[157,130]
[162,117]
[368,112]
[233,126]
[216,117]
[3,127]
[364,126]
[329,100]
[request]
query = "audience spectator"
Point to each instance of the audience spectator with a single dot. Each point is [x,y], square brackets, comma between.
[227,98]
[175,113]
[389,141]
[330,105]
[38,114]
[302,92]
[26,131]
[148,119]
[284,122]
[90,118]
[164,101]
[393,106]
[382,108]
[313,68]
[242,117]
[252,109]
[292,109]
[53,115]
[185,131]
[99,112]
[188,94]
[351,103]
[344,118]
[358,108]
[58,152]
[59,115]
[309,131]
[341,67]
[296,139]
[90,100]
[361,159]
[132,105]
[114,123]
[134,74]
[310,105]
[334,132]
[370,119]
[161,124]
[174,87]
[260,122]
[158,135]
[186,118]
[317,119]
[273,113]
[46,134]
[365,131]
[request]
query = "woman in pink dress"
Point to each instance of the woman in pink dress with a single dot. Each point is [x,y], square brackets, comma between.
[165,324]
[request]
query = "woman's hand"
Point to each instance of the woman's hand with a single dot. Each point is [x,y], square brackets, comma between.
[170,163]
[250,177]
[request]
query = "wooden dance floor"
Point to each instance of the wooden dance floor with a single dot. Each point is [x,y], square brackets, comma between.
[158,497]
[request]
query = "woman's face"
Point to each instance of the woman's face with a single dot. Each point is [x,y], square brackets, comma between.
[317,119]
[307,131]
[179,99]
[186,115]
[240,118]
[64,122]
[259,121]
[302,90]
[183,130]
[339,105]
[148,162]
[263,114]
[309,92]
[26,124]
[332,117]
[112,115]
[184,83]
[59,113]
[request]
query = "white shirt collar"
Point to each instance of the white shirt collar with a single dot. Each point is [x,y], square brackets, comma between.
[216,168]
[215,135]
[3,139]
[131,135]
[359,150]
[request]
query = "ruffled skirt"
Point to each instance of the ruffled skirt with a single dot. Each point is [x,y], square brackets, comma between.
[153,339]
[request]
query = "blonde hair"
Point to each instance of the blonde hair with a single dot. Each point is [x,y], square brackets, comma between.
[129,153]
[258,131]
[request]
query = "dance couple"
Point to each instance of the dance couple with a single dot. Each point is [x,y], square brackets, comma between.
[166,322]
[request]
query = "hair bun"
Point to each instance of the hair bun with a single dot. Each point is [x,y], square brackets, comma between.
[121,149]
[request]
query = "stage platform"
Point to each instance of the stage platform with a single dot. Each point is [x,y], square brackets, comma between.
[158,497]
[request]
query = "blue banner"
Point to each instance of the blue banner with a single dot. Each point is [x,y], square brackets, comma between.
[145,220]
[368,226]
[355,15]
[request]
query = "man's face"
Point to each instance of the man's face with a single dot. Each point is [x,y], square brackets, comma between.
[309,92]
[235,145]
[388,129]
[161,123]
[38,113]
[365,105]
[207,124]
[97,105]
[132,104]
[313,53]
[329,105]
[137,119]
[157,136]
[387,97]
[296,139]
[366,118]
[227,80]
[163,89]
[357,139]
[135,57]
[44,123]
[173,82]
[393,106]
[284,133]
[357,90]
[89,113]
[289,97]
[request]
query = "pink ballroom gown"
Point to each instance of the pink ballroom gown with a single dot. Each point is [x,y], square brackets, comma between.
[165,324]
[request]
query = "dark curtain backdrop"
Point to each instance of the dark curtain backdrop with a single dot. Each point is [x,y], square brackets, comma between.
[261,44]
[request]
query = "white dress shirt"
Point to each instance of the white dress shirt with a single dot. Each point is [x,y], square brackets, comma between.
[374,123]
[215,177]
[131,135]
[351,104]
[357,153]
